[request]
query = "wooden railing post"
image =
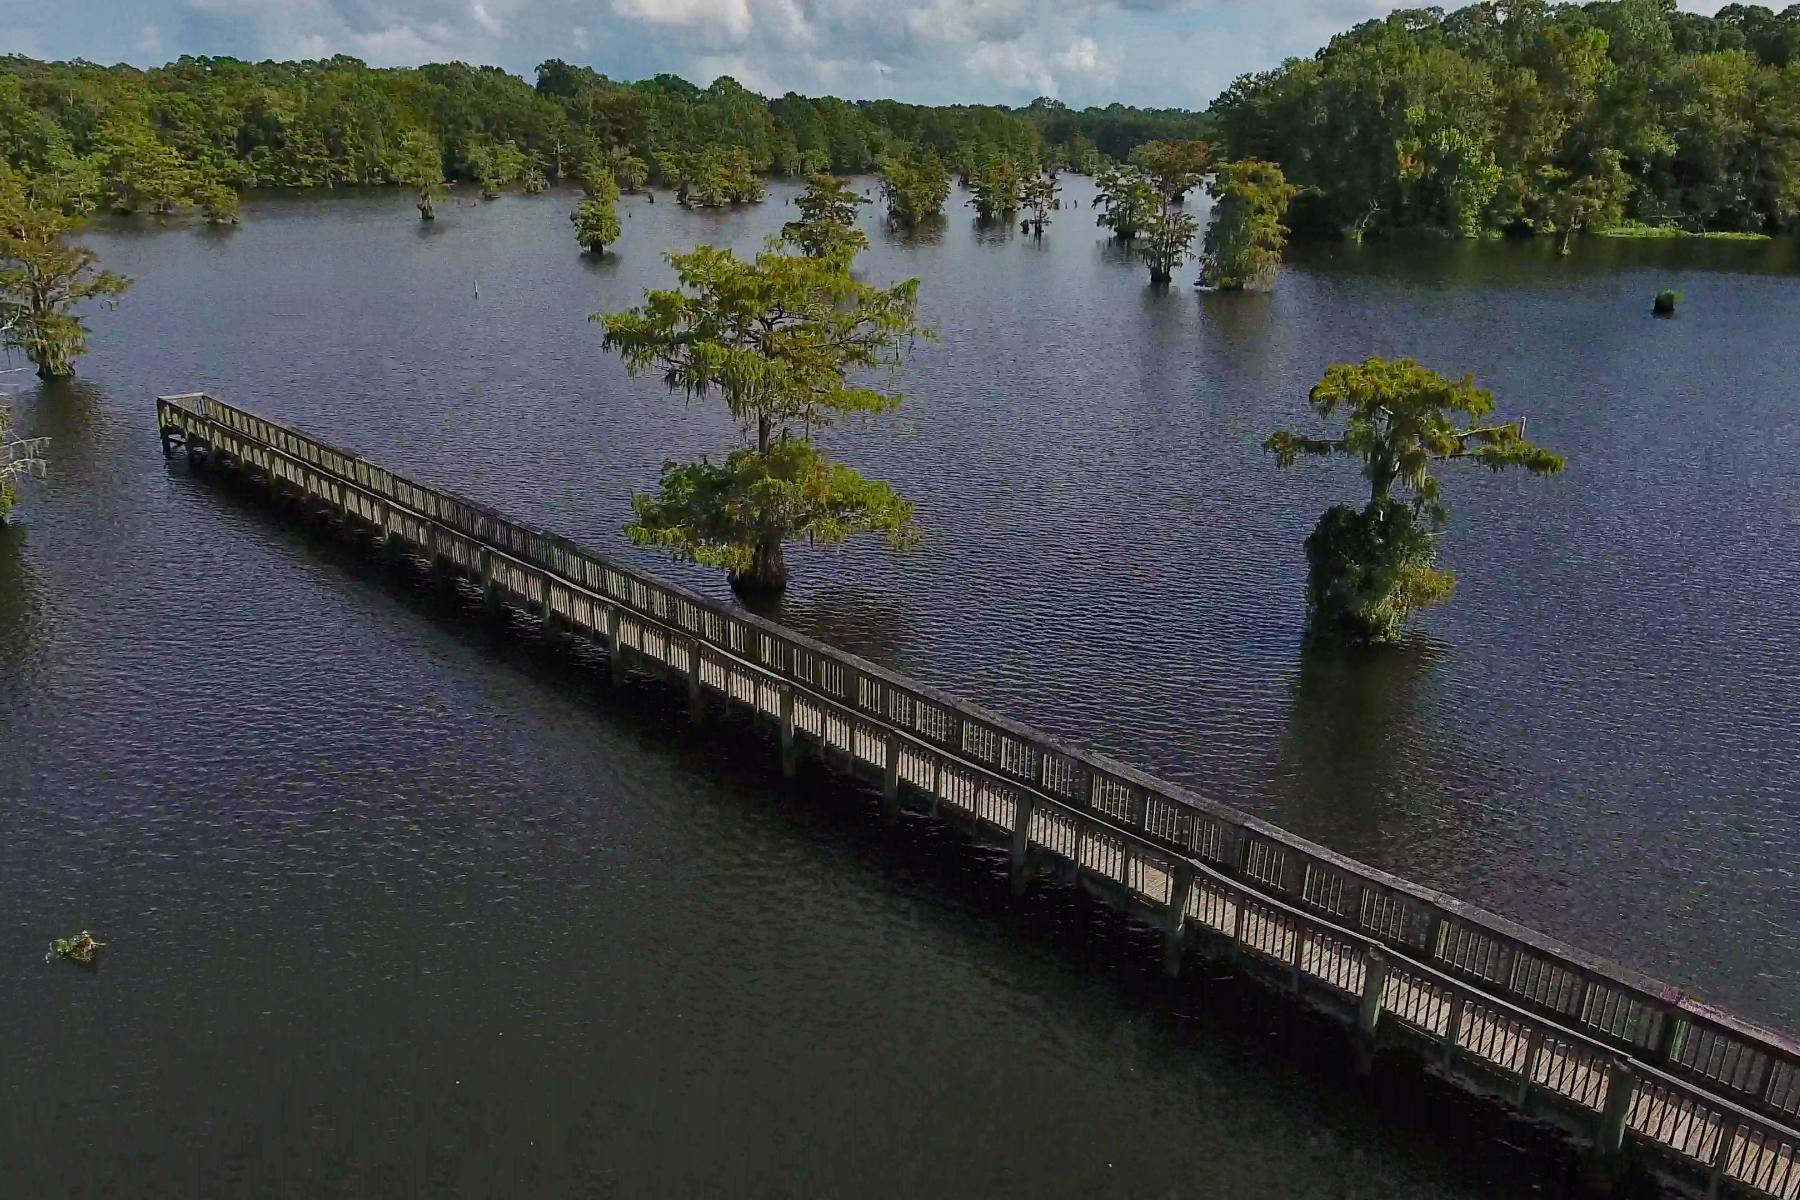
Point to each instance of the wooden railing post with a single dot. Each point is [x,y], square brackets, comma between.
[1534,1046]
[1452,1028]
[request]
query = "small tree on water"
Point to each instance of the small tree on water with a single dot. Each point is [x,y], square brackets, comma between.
[1368,569]
[776,337]
[420,164]
[826,227]
[43,279]
[596,218]
[1247,237]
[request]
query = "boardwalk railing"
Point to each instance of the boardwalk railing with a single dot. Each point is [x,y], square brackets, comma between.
[1522,1014]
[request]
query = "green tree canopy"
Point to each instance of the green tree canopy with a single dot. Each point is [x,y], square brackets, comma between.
[1401,420]
[1127,200]
[777,338]
[996,182]
[336,120]
[1168,236]
[915,185]
[1248,236]
[139,172]
[596,217]
[419,164]
[1039,194]
[42,278]
[1176,167]
[1484,119]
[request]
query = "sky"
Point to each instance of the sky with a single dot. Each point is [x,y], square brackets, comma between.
[1174,53]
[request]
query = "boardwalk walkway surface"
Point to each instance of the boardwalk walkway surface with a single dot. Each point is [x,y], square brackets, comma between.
[1633,1066]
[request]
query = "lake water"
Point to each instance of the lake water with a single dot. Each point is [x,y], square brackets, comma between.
[398,903]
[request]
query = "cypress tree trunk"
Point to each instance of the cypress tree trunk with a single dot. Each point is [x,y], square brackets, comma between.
[768,573]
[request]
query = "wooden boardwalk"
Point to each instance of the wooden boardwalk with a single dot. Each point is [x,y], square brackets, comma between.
[1631,1065]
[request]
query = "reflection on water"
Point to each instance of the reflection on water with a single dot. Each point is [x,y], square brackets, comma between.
[927,231]
[1360,754]
[865,623]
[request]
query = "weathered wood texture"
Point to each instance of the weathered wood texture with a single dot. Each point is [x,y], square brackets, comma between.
[1500,1007]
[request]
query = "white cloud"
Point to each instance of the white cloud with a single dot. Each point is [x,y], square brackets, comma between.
[1084,58]
[1161,52]
[731,16]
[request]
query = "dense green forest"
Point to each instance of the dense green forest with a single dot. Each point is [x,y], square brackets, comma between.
[1526,115]
[338,121]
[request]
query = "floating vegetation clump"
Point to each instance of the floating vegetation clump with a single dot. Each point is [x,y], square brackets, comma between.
[82,948]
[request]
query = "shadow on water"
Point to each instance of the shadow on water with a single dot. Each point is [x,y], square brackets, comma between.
[1534,262]
[1117,252]
[993,231]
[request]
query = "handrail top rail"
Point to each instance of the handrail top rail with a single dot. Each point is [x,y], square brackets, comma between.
[1586,962]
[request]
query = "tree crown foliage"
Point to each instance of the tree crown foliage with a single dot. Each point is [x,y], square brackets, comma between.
[596,217]
[1526,114]
[1401,420]
[827,224]
[1176,166]
[1127,201]
[915,184]
[777,336]
[336,120]
[720,514]
[1248,234]
[42,278]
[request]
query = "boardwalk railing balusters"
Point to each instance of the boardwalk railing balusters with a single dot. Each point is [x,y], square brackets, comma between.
[1713,1100]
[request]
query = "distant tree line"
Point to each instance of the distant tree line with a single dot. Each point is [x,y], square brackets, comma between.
[1524,115]
[182,133]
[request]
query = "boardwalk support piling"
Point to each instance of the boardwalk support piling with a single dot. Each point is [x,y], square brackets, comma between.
[890,781]
[1175,931]
[696,699]
[1722,1157]
[490,587]
[1368,1012]
[1609,1139]
[615,649]
[1019,871]
[789,759]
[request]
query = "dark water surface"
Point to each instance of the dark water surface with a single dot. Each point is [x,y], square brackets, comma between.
[400,905]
